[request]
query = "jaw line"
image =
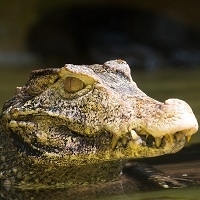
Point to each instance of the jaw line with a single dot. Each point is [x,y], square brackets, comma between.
[99,148]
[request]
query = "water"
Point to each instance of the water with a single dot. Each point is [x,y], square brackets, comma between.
[161,85]
[168,194]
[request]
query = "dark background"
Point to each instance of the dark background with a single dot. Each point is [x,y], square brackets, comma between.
[148,34]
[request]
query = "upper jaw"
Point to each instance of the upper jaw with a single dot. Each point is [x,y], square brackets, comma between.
[174,116]
[161,123]
[143,139]
[173,121]
[132,145]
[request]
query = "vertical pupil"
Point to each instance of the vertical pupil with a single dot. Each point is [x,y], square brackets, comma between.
[73,84]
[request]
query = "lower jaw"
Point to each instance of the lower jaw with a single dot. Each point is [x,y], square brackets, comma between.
[104,153]
[99,148]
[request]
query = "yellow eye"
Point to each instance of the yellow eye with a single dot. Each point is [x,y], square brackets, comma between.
[72,84]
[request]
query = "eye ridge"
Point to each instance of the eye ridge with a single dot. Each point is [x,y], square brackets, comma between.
[73,84]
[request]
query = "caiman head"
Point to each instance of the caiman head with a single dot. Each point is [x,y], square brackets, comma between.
[90,113]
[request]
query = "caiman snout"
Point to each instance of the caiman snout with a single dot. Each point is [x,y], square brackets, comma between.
[168,118]
[185,119]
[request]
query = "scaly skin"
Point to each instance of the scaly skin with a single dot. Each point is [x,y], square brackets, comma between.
[78,124]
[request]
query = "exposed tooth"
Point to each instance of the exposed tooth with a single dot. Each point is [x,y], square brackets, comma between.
[134,135]
[188,137]
[171,138]
[114,142]
[124,140]
[158,141]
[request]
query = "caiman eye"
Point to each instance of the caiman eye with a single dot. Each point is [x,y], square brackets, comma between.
[72,84]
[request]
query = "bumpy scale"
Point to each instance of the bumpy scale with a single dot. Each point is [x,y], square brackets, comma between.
[82,118]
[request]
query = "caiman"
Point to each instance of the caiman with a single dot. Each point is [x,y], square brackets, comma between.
[78,125]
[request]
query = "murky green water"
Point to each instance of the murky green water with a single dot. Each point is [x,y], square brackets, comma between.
[168,194]
[161,85]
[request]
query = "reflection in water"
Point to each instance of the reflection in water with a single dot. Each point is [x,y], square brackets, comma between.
[168,194]
[62,194]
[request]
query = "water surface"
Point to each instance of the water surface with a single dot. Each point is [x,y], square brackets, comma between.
[168,194]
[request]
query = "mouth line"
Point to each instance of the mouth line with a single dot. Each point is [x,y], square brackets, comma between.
[24,147]
[146,140]
[84,144]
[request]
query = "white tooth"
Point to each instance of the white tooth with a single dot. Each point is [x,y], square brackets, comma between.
[165,186]
[124,140]
[134,135]
[171,138]
[188,138]
[114,142]
[158,141]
